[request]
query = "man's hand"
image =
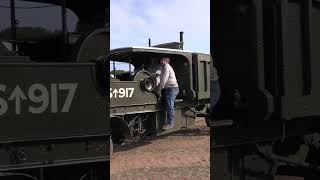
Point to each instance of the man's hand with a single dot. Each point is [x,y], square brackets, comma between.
[158,93]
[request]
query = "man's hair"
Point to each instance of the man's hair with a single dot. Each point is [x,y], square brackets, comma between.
[166,59]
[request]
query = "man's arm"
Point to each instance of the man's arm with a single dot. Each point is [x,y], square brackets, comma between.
[164,78]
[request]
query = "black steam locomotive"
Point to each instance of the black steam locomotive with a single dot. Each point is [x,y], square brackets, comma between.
[54,121]
[267,121]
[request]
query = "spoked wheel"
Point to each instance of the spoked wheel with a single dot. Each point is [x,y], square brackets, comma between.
[96,172]
[239,163]
[99,173]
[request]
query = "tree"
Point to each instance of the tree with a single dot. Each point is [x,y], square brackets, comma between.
[29,33]
[117,72]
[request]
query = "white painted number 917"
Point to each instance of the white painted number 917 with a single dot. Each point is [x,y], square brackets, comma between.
[39,94]
[121,92]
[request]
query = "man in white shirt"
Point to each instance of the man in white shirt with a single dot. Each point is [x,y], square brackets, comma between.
[169,87]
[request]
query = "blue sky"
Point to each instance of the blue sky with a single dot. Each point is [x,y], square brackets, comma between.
[48,17]
[134,21]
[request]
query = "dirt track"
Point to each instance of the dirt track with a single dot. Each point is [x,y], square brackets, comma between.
[179,155]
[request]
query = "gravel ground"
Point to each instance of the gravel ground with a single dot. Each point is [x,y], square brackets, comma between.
[180,155]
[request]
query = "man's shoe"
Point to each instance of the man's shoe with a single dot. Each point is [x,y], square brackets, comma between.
[166,127]
[170,126]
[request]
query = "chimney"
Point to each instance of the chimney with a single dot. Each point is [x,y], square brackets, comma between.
[181,39]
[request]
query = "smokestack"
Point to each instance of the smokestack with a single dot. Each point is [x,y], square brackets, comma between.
[181,39]
[149,42]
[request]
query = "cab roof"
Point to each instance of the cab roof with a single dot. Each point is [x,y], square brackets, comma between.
[148,49]
[127,54]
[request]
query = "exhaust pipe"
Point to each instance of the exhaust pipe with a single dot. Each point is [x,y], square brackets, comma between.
[181,39]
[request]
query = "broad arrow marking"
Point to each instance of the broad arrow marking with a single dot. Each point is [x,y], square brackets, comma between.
[17,94]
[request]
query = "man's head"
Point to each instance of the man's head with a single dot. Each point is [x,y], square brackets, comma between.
[164,60]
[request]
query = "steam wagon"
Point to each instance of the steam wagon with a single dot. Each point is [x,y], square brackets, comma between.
[134,108]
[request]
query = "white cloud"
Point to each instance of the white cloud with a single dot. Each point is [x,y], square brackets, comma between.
[134,21]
